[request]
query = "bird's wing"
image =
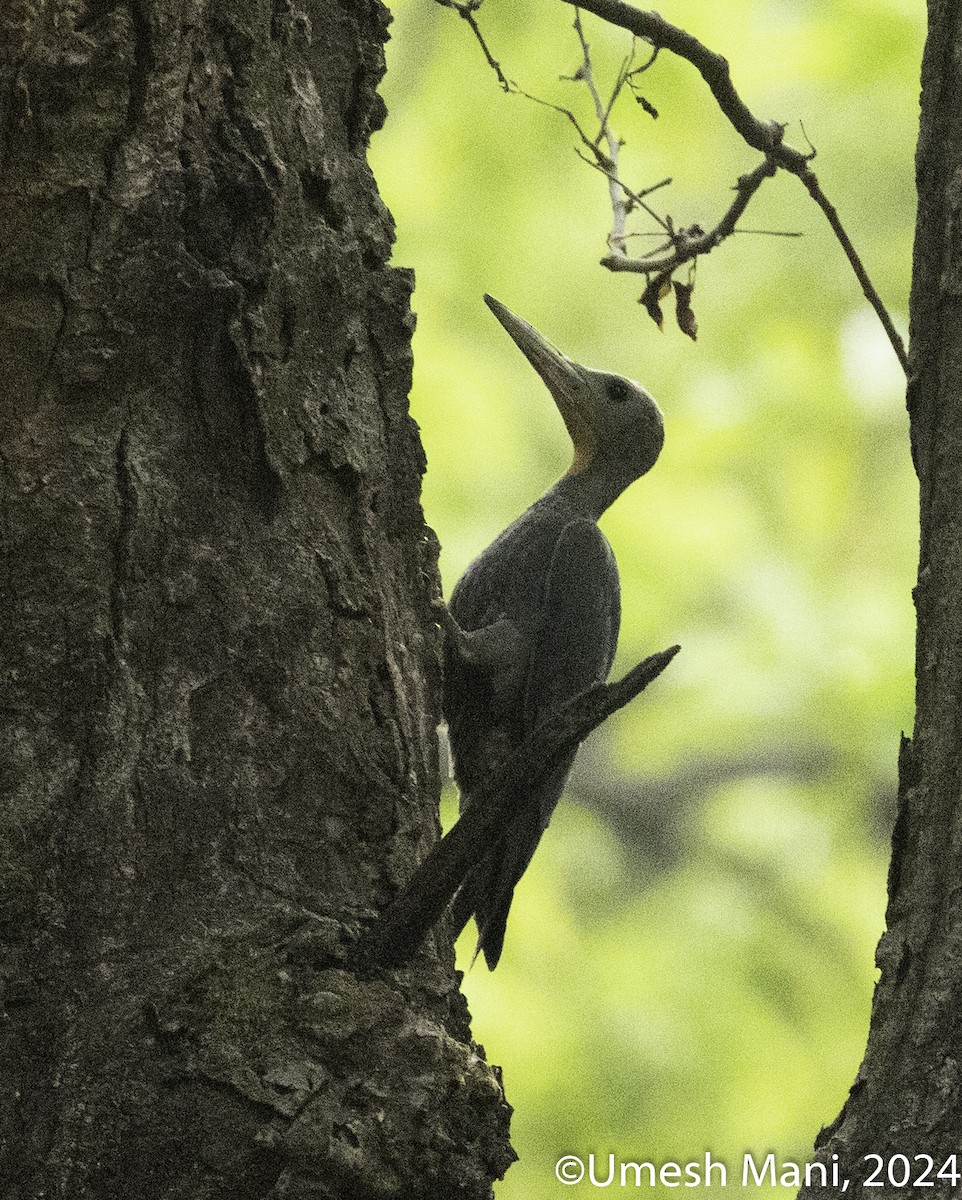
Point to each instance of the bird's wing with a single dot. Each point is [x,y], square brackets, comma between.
[579,618]
[572,648]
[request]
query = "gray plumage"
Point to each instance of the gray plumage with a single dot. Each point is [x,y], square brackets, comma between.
[540,610]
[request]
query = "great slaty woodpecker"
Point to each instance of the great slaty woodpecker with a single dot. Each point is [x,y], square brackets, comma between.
[538,612]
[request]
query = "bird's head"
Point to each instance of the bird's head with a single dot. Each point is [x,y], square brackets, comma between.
[615,425]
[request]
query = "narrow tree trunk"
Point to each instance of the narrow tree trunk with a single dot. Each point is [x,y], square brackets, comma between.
[907,1099]
[218,675]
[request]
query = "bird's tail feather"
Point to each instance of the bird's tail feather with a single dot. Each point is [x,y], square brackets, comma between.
[488,890]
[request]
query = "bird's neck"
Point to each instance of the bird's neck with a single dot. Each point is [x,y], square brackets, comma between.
[590,489]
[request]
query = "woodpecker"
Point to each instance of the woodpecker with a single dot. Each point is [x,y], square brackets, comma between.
[536,614]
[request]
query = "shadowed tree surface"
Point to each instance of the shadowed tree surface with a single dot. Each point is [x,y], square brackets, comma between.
[219,669]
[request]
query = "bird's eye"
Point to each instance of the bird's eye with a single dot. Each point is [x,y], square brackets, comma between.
[618,391]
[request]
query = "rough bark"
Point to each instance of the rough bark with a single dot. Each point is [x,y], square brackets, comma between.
[218,664]
[907,1097]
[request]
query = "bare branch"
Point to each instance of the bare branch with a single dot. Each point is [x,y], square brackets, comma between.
[814,189]
[623,76]
[689,243]
[605,162]
[466,10]
[770,232]
[634,198]
[766,136]
[599,159]
[619,210]
[685,244]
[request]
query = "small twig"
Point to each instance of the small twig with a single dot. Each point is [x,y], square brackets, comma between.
[606,163]
[619,210]
[814,189]
[623,76]
[634,198]
[771,232]
[688,244]
[599,158]
[466,10]
[652,187]
[765,136]
[399,930]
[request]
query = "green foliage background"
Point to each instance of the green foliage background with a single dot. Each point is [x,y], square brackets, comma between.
[689,959]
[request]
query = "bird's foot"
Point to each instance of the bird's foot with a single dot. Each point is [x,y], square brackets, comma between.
[487,649]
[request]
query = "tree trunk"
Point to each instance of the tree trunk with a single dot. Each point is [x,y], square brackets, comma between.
[907,1098]
[219,668]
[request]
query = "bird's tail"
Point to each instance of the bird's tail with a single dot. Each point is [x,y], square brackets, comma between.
[487,892]
[488,889]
